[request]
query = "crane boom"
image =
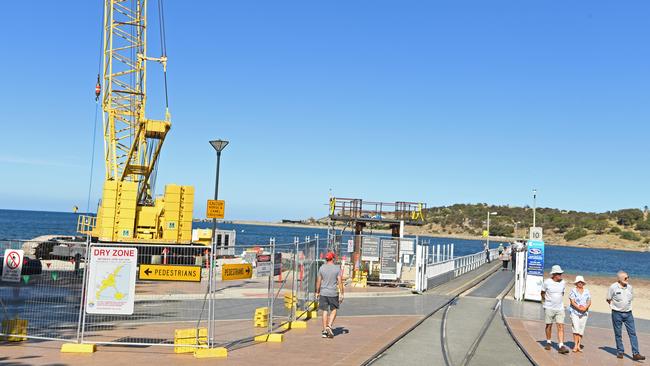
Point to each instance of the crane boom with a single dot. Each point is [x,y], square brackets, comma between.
[132,142]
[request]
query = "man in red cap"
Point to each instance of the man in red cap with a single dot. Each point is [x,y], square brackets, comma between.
[329,292]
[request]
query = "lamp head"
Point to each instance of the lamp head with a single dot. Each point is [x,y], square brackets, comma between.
[219,145]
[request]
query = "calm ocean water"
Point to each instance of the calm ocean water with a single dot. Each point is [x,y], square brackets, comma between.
[16,224]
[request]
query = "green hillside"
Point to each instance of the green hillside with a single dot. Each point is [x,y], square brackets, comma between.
[629,224]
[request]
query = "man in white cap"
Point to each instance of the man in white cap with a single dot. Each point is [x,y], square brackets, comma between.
[620,297]
[552,299]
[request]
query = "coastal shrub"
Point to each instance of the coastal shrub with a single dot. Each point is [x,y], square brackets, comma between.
[615,230]
[647,241]
[597,225]
[630,235]
[575,233]
[560,222]
[628,216]
[643,225]
[501,230]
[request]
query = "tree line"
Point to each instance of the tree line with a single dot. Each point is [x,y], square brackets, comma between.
[630,223]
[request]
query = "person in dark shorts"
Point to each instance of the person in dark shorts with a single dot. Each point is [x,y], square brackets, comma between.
[329,292]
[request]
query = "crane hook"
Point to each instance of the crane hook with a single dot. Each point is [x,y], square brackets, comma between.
[98,89]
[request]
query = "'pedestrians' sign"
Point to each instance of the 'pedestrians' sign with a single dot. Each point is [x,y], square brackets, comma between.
[158,272]
[241,271]
[12,265]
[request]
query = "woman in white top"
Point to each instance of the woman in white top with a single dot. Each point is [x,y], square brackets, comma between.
[580,302]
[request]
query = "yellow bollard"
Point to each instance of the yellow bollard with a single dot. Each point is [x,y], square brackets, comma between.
[185,339]
[17,328]
[261,318]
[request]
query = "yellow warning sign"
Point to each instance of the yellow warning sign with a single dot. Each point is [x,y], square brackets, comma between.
[163,272]
[231,272]
[216,209]
[485,233]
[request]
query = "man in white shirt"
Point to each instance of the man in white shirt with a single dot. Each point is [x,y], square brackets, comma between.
[552,300]
[619,297]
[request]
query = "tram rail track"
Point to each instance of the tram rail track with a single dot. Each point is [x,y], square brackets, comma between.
[446,308]
[466,360]
[443,306]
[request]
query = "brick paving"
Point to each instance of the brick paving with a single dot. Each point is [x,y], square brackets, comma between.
[600,349]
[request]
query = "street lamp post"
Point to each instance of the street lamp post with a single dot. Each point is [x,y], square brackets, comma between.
[218,145]
[534,206]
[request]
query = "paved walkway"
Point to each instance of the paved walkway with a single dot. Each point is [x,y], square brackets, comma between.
[366,323]
[357,339]
[526,322]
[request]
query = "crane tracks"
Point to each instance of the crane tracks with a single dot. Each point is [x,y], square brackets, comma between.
[454,333]
[471,351]
[379,354]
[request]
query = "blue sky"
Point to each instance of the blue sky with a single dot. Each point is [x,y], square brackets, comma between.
[441,102]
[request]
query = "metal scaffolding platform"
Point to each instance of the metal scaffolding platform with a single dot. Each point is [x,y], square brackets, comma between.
[391,213]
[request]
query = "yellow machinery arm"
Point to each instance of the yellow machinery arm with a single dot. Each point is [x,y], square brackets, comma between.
[132,143]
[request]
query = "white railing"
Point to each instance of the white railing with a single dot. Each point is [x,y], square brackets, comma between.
[471,262]
[430,264]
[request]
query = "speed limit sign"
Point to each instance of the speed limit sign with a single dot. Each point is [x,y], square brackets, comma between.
[536,233]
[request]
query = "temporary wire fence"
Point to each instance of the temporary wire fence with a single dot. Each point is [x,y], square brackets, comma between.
[55,297]
[45,303]
[160,306]
[207,307]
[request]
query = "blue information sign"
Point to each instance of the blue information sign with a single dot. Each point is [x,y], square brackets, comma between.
[535,258]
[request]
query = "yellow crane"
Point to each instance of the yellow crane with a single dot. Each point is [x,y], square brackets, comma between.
[129,211]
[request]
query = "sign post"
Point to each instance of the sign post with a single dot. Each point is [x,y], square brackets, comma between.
[536,234]
[534,270]
[350,246]
[389,253]
[370,249]
[12,265]
[264,265]
[111,280]
[277,264]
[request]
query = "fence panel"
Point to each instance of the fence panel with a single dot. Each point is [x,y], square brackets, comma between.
[167,296]
[308,265]
[48,296]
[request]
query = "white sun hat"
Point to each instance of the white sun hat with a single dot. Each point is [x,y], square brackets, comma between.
[580,279]
[556,269]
